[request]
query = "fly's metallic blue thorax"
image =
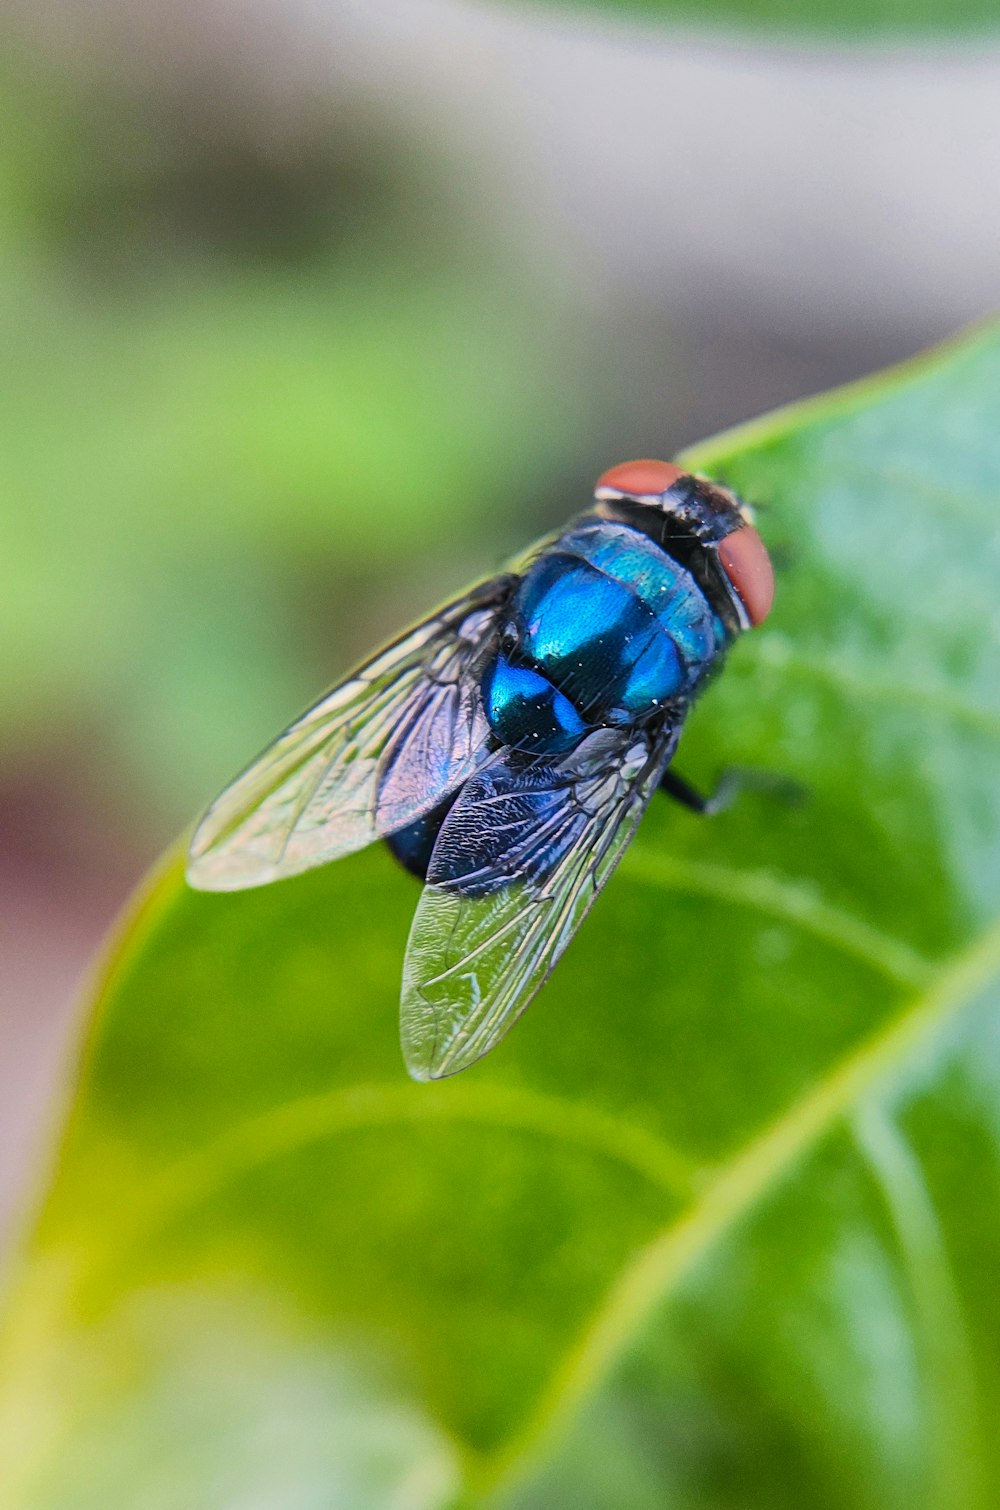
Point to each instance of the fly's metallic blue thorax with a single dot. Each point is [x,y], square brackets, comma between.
[605,628]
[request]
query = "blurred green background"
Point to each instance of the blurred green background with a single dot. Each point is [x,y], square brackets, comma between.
[310,314]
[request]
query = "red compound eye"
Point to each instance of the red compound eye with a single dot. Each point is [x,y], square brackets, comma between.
[744,559]
[641,477]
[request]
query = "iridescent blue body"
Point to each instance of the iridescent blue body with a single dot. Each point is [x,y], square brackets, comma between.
[604,629]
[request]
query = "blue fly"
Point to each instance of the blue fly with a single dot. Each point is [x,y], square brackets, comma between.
[507,746]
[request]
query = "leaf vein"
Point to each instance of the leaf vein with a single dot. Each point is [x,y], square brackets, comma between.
[860,681]
[792,901]
[312,1119]
[956,1454]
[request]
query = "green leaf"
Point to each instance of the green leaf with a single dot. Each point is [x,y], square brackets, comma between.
[851,20]
[716,1226]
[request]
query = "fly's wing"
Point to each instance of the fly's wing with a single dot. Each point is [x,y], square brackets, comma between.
[373,755]
[516,867]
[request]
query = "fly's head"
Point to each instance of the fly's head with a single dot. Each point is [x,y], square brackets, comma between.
[700,524]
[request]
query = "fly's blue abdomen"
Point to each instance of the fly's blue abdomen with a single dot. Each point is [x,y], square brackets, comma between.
[526,711]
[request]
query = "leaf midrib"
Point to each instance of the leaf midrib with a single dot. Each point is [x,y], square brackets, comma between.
[657,1269]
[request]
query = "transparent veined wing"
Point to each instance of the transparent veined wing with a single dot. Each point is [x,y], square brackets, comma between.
[517,865]
[377,752]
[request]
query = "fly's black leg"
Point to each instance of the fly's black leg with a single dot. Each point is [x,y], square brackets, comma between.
[726,790]
[728,787]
